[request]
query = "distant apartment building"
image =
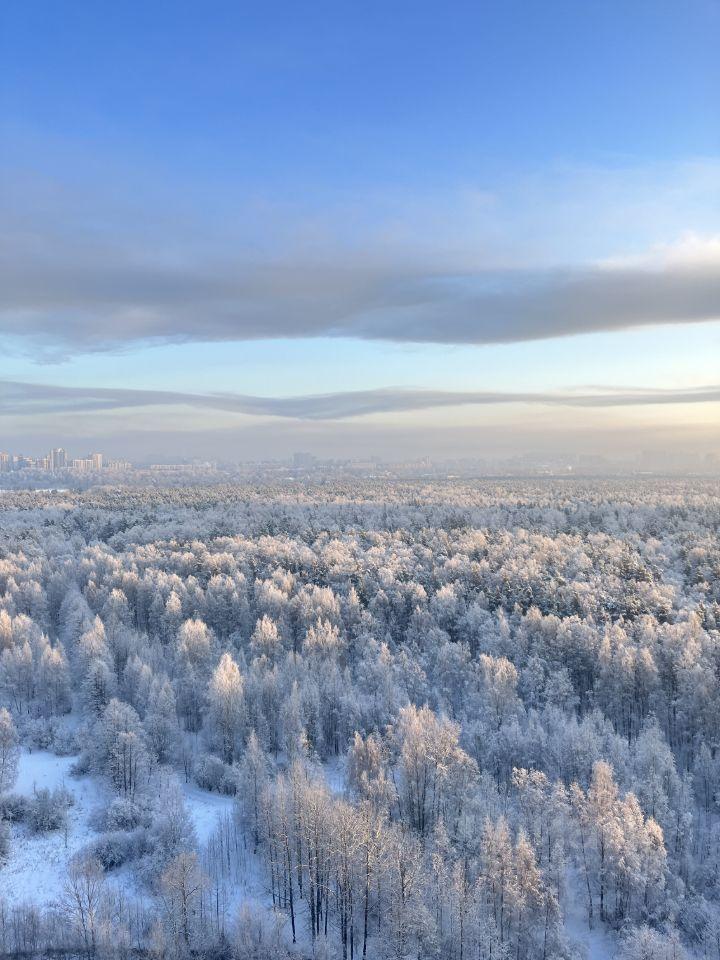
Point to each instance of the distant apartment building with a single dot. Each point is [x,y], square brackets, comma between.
[55,461]
[58,459]
[90,464]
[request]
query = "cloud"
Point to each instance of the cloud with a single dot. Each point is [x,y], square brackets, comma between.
[89,266]
[69,305]
[32,399]
[77,277]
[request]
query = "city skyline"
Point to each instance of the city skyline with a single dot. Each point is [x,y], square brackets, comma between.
[58,461]
[55,461]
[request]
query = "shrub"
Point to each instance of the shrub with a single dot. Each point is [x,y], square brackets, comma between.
[4,840]
[122,814]
[212,774]
[65,742]
[112,850]
[82,765]
[13,807]
[39,732]
[48,810]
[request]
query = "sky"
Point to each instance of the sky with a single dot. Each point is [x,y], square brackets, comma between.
[388,229]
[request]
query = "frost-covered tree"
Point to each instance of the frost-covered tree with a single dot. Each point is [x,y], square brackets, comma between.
[161,722]
[181,887]
[121,749]
[9,751]
[226,708]
[82,899]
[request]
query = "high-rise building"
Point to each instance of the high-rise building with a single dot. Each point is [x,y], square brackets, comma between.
[55,461]
[58,459]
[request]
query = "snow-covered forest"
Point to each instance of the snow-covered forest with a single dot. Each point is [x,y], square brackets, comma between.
[362,720]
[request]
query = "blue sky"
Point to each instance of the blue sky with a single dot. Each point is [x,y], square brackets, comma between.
[279,199]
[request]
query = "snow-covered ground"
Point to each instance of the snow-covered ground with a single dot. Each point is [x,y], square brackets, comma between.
[205,808]
[37,866]
[598,943]
[334,772]
[244,883]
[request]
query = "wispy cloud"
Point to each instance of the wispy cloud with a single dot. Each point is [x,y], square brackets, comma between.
[32,399]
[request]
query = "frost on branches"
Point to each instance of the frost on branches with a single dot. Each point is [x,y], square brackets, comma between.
[379,720]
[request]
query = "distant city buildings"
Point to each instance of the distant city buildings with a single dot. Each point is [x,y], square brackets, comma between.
[97,468]
[195,466]
[57,461]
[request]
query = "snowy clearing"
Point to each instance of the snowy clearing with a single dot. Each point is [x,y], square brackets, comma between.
[37,866]
[205,808]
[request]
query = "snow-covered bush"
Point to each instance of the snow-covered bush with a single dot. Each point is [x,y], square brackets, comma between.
[47,810]
[112,850]
[170,833]
[212,774]
[4,840]
[39,733]
[66,741]
[13,807]
[50,733]
[82,766]
[122,814]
